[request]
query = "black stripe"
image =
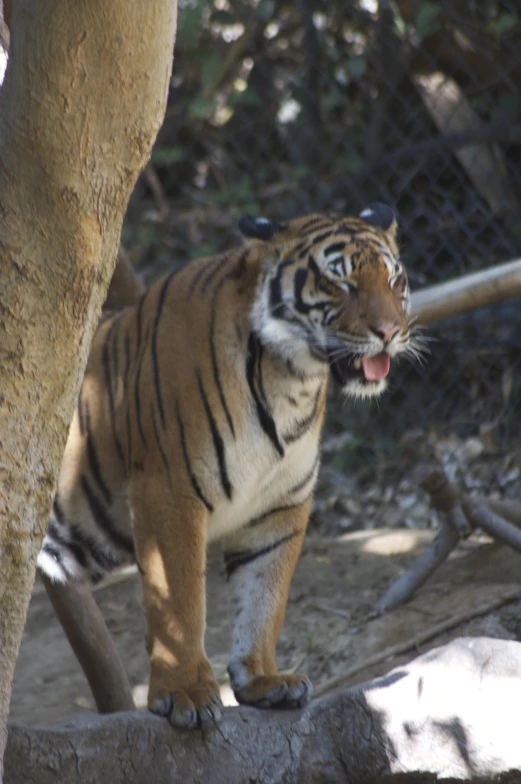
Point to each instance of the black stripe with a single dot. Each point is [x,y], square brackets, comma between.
[313,223]
[234,560]
[139,312]
[126,372]
[74,549]
[295,372]
[108,385]
[304,252]
[301,277]
[160,446]
[81,543]
[275,510]
[276,299]
[103,519]
[238,272]
[315,269]
[115,354]
[129,439]
[215,369]
[222,261]
[105,559]
[205,264]
[94,465]
[300,281]
[320,237]
[58,511]
[218,442]
[193,478]
[335,247]
[137,397]
[307,478]
[155,364]
[265,418]
[302,426]
[301,246]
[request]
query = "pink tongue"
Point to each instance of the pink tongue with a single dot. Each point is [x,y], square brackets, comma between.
[376,368]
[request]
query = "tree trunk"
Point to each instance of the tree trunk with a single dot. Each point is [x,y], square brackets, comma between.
[82,101]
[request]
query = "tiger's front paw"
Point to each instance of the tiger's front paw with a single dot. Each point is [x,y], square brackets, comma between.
[276,691]
[188,708]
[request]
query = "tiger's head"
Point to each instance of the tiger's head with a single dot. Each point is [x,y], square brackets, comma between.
[333,290]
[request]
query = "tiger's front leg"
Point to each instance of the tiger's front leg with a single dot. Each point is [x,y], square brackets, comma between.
[170,537]
[260,561]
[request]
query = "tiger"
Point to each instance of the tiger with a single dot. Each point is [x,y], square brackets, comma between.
[200,417]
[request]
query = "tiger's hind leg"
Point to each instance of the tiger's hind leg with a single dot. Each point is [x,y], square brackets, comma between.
[260,562]
[170,538]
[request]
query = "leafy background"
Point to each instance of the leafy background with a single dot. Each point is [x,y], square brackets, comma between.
[282,108]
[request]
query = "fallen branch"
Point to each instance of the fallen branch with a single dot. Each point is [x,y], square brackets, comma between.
[432,557]
[92,644]
[507,508]
[493,524]
[340,681]
[462,514]
[446,498]
[432,714]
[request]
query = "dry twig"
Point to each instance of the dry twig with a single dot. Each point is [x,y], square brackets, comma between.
[340,681]
[462,514]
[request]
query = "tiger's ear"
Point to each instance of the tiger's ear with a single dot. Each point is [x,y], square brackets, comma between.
[258,228]
[378,214]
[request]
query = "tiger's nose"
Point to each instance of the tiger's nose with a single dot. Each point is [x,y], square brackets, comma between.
[385,332]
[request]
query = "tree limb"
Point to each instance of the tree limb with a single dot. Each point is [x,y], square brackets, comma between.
[493,524]
[433,556]
[92,644]
[486,287]
[412,643]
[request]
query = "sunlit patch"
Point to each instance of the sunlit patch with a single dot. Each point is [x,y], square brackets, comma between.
[155,565]
[392,543]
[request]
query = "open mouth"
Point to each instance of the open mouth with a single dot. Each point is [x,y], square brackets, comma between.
[362,369]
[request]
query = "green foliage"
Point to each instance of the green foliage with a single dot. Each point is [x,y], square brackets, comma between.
[427,19]
[201,108]
[272,103]
[503,23]
[238,197]
[167,156]
[191,19]
[265,9]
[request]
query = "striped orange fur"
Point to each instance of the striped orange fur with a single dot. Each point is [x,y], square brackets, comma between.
[200,418]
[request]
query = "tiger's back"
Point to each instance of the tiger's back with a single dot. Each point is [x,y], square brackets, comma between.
[200,418]
[209,437]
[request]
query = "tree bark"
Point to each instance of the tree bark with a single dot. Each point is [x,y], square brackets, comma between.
[453,712]
[83,98]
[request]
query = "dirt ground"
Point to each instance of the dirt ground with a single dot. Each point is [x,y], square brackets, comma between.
[330,624]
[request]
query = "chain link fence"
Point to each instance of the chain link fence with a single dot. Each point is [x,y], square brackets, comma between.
[281,108]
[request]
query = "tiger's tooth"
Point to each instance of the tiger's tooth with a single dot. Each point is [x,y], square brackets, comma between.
[357,363]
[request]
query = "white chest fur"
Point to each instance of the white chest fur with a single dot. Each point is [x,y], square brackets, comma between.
[262,477]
